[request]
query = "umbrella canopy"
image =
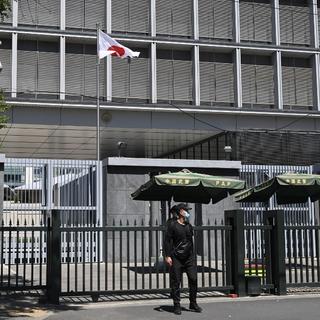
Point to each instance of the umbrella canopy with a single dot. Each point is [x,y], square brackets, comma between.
[288,188]
[186,186]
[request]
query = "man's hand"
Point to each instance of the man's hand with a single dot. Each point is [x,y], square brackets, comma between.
[168,261]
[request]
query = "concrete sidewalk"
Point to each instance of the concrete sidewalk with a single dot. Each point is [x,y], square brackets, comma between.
[294,307]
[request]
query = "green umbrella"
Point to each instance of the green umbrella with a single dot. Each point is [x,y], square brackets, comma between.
[288,188]
[186,186]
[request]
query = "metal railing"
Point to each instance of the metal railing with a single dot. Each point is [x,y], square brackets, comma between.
[303,255]
[23,256]
[131,259]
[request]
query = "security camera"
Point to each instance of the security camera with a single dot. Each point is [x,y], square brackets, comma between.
[121,145]
[227,149]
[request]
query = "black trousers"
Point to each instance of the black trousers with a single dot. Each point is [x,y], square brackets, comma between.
[178,266]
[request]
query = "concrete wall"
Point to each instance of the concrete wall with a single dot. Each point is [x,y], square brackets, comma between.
[119,205]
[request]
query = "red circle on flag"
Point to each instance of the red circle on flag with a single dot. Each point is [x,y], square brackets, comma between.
[119,51]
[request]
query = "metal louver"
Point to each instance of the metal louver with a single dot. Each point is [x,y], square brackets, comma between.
[94,12]
[174,77]
[85,15]
[257,83]
[215,19]
[130,16]
[27,71]
[297,86]
[216,82]
[174,17]
[130,80]
[5,78]
[38,68]
[256,21]
[48,73]
[75,14]
[40,13]
[81,72]
[295,25]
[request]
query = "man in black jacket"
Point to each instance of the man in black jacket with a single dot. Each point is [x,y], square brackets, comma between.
[179,255]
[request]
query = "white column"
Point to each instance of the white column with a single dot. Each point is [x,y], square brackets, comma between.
[63,14]
[276,22]
[196,75]
[14,65]
[153,21]
[314,23]
[195,20]
[238,80]
[107,60]
[236,21]
[278,94]
[153,62]
[15,13]
[62,68]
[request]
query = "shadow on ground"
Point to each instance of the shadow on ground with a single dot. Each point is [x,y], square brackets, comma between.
[14,306]
[168,309]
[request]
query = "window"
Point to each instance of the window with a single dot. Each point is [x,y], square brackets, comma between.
[130,16]
[130,79]
[174,75]
[81,72]
[215,19]
[257,80]
[5,58]
[216,78]
[174,17]
[85,14]
[297,83]
[294,22]
[256,20]
[45,13]
[38,69]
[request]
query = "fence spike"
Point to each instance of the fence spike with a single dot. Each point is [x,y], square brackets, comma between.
[208,222]
[156,222]
[113,222]
[32,222]
[120,222]
[18,223]
[142,222]
[135,222]
[10,223]
[25,222]
[2,222]
[215,222]
[127,222]
[150,222]
[222,222]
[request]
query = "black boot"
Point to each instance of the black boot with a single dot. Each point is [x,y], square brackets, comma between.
[177,308]
[194,307]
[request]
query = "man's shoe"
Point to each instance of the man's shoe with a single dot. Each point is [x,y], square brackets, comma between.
[194,307]
[177,308]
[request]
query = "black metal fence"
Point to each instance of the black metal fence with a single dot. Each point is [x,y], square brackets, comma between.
[23,255]
[128,259]
[303,255]
[93,260]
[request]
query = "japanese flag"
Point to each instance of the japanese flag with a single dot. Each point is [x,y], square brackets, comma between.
[108,46]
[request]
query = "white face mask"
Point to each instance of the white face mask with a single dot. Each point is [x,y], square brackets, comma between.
[186,215]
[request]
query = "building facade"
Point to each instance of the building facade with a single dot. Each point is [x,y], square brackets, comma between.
[205,67]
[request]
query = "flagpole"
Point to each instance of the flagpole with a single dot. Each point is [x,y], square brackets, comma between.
[98,186]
